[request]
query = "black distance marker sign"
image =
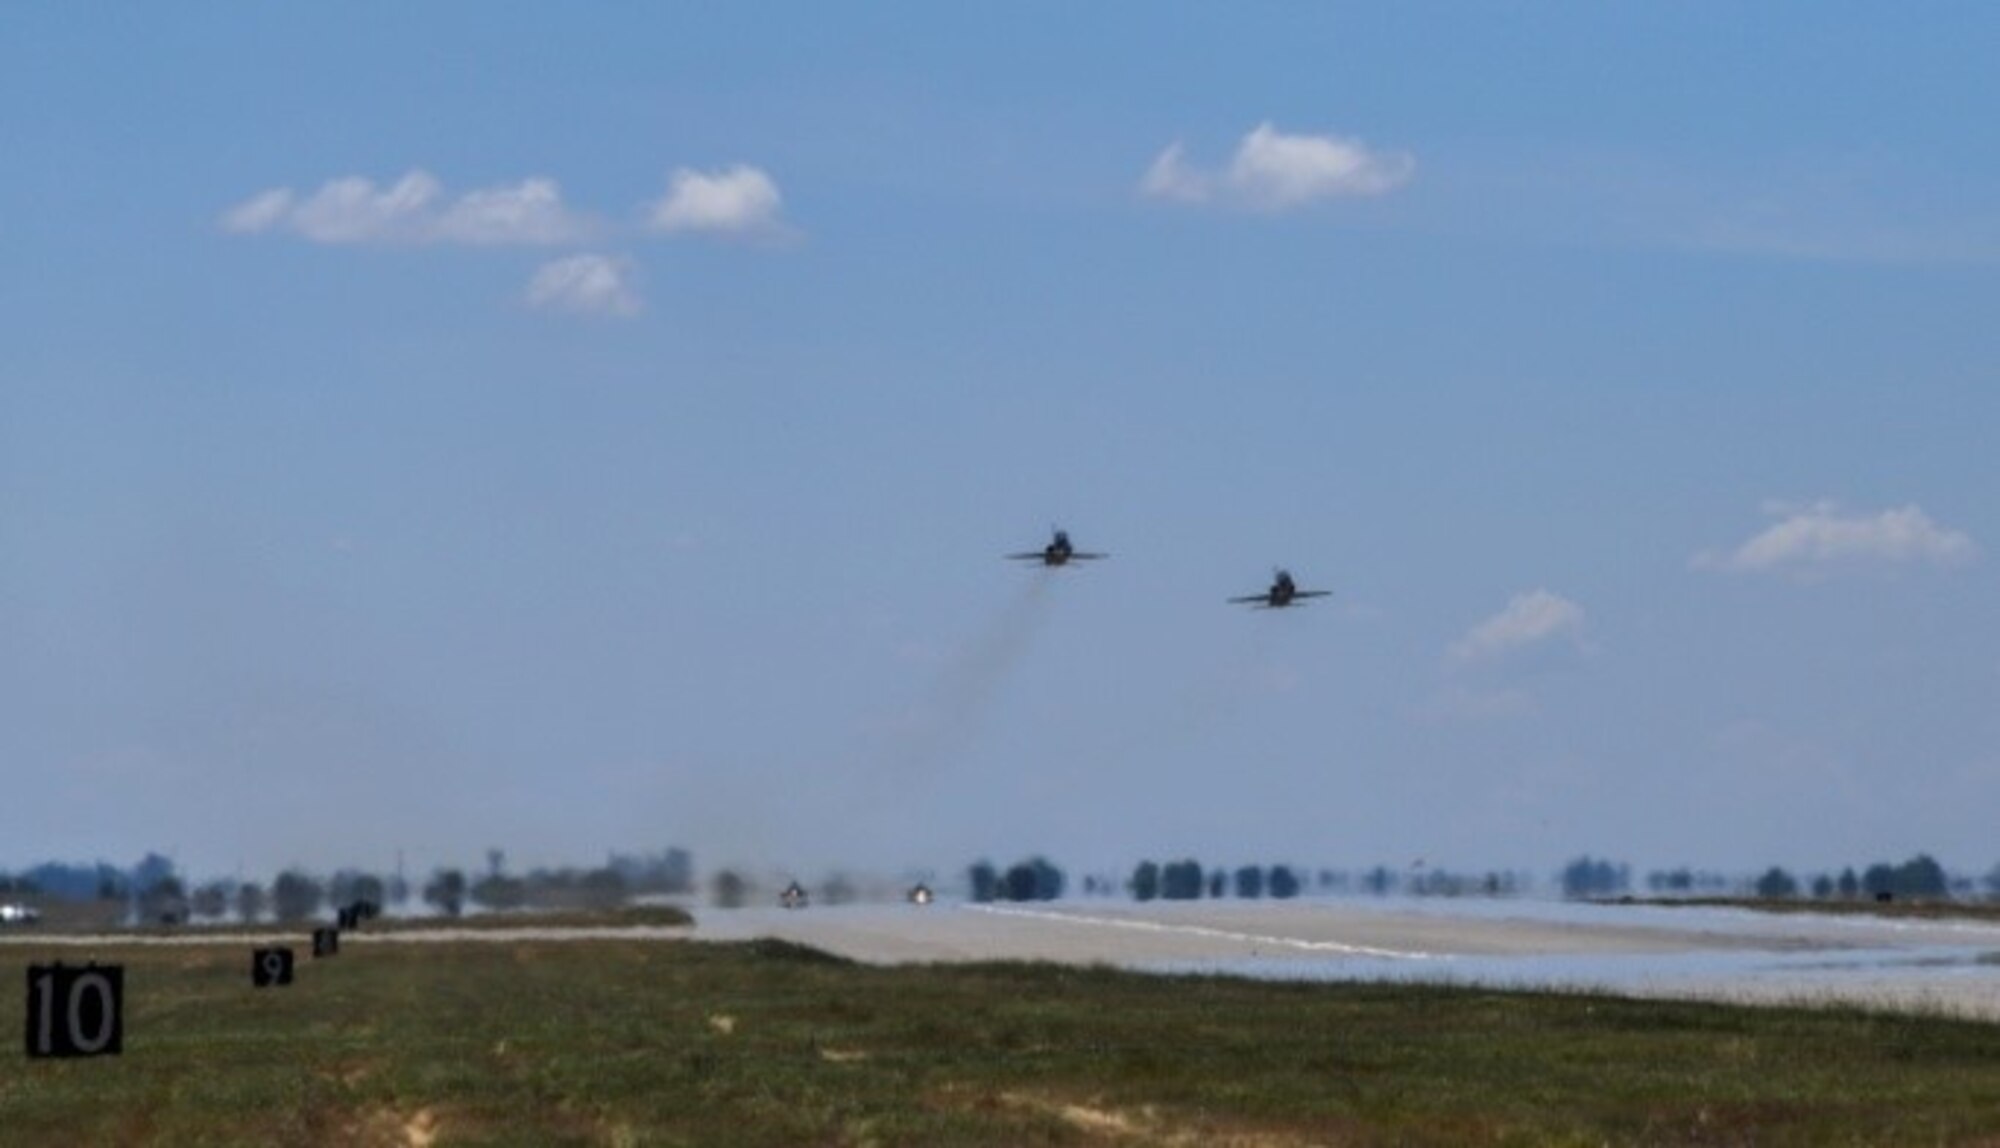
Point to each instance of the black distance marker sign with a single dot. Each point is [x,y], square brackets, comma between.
[76,1010]
[270,967]
[326,942]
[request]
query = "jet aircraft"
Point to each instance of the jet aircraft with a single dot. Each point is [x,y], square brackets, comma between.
[1058,552]
[1283,592]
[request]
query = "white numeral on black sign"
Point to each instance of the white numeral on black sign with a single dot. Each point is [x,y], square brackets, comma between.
[270,967]
[75,1011]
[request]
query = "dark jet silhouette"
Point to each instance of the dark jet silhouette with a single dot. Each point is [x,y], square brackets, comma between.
[1283,592]
[1058,552]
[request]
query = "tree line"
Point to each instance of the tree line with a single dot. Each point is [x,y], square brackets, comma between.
[1921,877]
[153,891]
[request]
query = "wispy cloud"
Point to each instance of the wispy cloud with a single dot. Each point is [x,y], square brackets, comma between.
[413,210]
[530,212]
[1529,619]
[1275,172]
[740,200]
[416,211]
[1821,537]
[586,285]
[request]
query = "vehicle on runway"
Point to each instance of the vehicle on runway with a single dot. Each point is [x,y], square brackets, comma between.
[1283,592]
[920,894]
[1058,552]
[794,896]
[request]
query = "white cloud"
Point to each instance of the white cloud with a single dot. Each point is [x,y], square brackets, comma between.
[1274,172]
[739,200]
[413,210]
[585,284]
[529,213]
[260,212]
[1171,178]
[1821,537]
[1528,619]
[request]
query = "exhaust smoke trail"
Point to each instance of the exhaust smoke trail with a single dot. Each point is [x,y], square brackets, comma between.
[967,686]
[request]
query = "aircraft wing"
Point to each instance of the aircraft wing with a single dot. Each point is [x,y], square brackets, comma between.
[1311,593]
[1025,555]
[1249,598]
[1086,555]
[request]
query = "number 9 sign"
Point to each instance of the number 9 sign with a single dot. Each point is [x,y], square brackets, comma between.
[270,967]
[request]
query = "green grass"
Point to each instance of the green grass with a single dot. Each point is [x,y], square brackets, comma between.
[626,1041]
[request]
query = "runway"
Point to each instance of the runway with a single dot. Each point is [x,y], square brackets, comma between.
[1734,955]
[1701,953]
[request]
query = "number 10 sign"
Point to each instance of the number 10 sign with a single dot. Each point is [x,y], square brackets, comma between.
[76,1010]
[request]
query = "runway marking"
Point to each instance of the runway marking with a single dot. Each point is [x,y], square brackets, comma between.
[1207,931]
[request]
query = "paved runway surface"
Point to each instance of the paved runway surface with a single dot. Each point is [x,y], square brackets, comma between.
[1721,954]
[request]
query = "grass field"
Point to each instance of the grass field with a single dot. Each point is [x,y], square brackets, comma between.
[651,1042]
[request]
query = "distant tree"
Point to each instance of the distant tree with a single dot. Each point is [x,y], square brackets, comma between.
[985,881]
[1181,880]
[499,892]
[366,887]
[349,886]
[1146,881]
[1218,883]
[164,900]
[1992,881]
[1379,880]
[249,902]
[1878,879]
[1776,884]
[1848,884]
[1822,886]
[295,896]
[150,871]
[1032,880]
[676,873]
[603,888]
[730,890]
[1284,883]
[670,871]
[1588,877]
[1249,882]
[445,892]
[496,862]
[1018,883]
[1678,880]
[211,900]
[1921,876]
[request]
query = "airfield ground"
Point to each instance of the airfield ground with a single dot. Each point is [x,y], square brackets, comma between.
[1720,953]
[616,1035]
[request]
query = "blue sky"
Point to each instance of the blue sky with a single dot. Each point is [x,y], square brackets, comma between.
[440,427]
